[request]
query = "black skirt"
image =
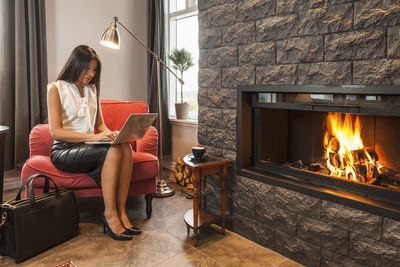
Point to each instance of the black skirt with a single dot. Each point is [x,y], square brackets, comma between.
[80,158]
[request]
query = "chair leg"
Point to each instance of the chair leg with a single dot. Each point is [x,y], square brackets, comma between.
[149,199]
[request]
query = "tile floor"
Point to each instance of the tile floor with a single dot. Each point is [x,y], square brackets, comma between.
[11,179]
[164,241]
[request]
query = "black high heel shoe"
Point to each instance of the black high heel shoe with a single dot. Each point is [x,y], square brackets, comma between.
[133,230]
[122,236]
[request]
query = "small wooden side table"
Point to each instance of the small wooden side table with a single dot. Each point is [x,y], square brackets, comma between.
[3,130]
[197,217]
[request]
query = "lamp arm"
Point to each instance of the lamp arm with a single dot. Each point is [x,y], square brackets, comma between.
[149,50]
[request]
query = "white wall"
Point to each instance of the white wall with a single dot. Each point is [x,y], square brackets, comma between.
[184,137]
[74,22]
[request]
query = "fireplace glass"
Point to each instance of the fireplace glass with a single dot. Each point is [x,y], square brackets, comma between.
[350,137]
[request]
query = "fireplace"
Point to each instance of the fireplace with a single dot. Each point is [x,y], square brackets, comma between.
[339,143]
[275,48]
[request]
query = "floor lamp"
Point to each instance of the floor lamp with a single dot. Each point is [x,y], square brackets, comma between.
[110,38]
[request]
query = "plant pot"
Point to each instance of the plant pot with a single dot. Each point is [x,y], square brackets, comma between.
[182,111]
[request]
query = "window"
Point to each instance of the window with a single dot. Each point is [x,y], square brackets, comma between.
[183,33]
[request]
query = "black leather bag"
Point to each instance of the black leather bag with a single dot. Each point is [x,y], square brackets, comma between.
[32,225]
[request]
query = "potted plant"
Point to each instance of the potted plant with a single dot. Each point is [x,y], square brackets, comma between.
[182,60]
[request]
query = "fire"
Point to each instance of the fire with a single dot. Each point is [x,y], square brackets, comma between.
[345,153]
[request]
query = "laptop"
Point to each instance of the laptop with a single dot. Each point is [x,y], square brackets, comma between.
[134,128]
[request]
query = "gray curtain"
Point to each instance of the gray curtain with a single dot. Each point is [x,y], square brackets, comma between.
[157,43]
[23,74]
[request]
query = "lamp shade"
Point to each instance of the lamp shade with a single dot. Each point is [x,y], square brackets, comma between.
[110,37]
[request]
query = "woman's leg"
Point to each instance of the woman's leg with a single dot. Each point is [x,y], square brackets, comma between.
[125,176]
[109,180]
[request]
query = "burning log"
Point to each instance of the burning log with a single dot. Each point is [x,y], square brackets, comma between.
[333,143]
[365,154]
[359,165]
[335,160]
[366,172]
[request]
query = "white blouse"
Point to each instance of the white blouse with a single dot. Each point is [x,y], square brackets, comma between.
[78,113]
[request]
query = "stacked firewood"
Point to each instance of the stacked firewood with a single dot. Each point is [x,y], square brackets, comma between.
[182,175]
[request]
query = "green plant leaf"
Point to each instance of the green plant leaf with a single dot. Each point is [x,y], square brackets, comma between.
[182,60]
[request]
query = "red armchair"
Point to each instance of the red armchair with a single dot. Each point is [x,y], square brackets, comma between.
[145,161]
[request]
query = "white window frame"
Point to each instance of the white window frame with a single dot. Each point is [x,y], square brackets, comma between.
[171,18]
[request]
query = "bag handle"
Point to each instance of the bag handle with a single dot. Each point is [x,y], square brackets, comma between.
[30,187]
[45,187]
[31,193]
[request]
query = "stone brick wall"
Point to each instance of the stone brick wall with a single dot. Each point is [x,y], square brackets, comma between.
[290,42]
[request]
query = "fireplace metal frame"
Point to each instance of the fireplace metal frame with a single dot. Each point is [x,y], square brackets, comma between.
[338,90]
[384,202]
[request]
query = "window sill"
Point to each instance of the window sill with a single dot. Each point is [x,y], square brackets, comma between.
[187,123]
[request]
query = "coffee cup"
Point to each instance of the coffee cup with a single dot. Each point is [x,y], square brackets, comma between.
[198,152]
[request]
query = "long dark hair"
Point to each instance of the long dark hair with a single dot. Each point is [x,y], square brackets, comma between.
[78,63]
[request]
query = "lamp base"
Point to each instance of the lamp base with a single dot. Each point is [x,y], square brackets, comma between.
[163,189]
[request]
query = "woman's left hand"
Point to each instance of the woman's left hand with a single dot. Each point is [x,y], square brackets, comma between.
[115,133]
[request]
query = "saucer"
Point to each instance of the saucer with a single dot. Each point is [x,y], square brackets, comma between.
[197,160]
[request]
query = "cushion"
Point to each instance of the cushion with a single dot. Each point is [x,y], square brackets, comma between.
[42,164]
[145,166]
[115,112]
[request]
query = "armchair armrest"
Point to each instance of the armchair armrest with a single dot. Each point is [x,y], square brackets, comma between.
[149,142]
[40,140]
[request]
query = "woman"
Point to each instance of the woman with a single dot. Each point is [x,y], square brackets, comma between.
[74,113]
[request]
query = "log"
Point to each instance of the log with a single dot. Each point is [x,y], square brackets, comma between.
[314,167]
[297,164]
[366,171]
[387,176]
[178,168]
[190,186]
[335,160]
[181,174]
[360,155]
[333,144]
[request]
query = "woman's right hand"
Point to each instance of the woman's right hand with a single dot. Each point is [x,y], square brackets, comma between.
[106,135]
